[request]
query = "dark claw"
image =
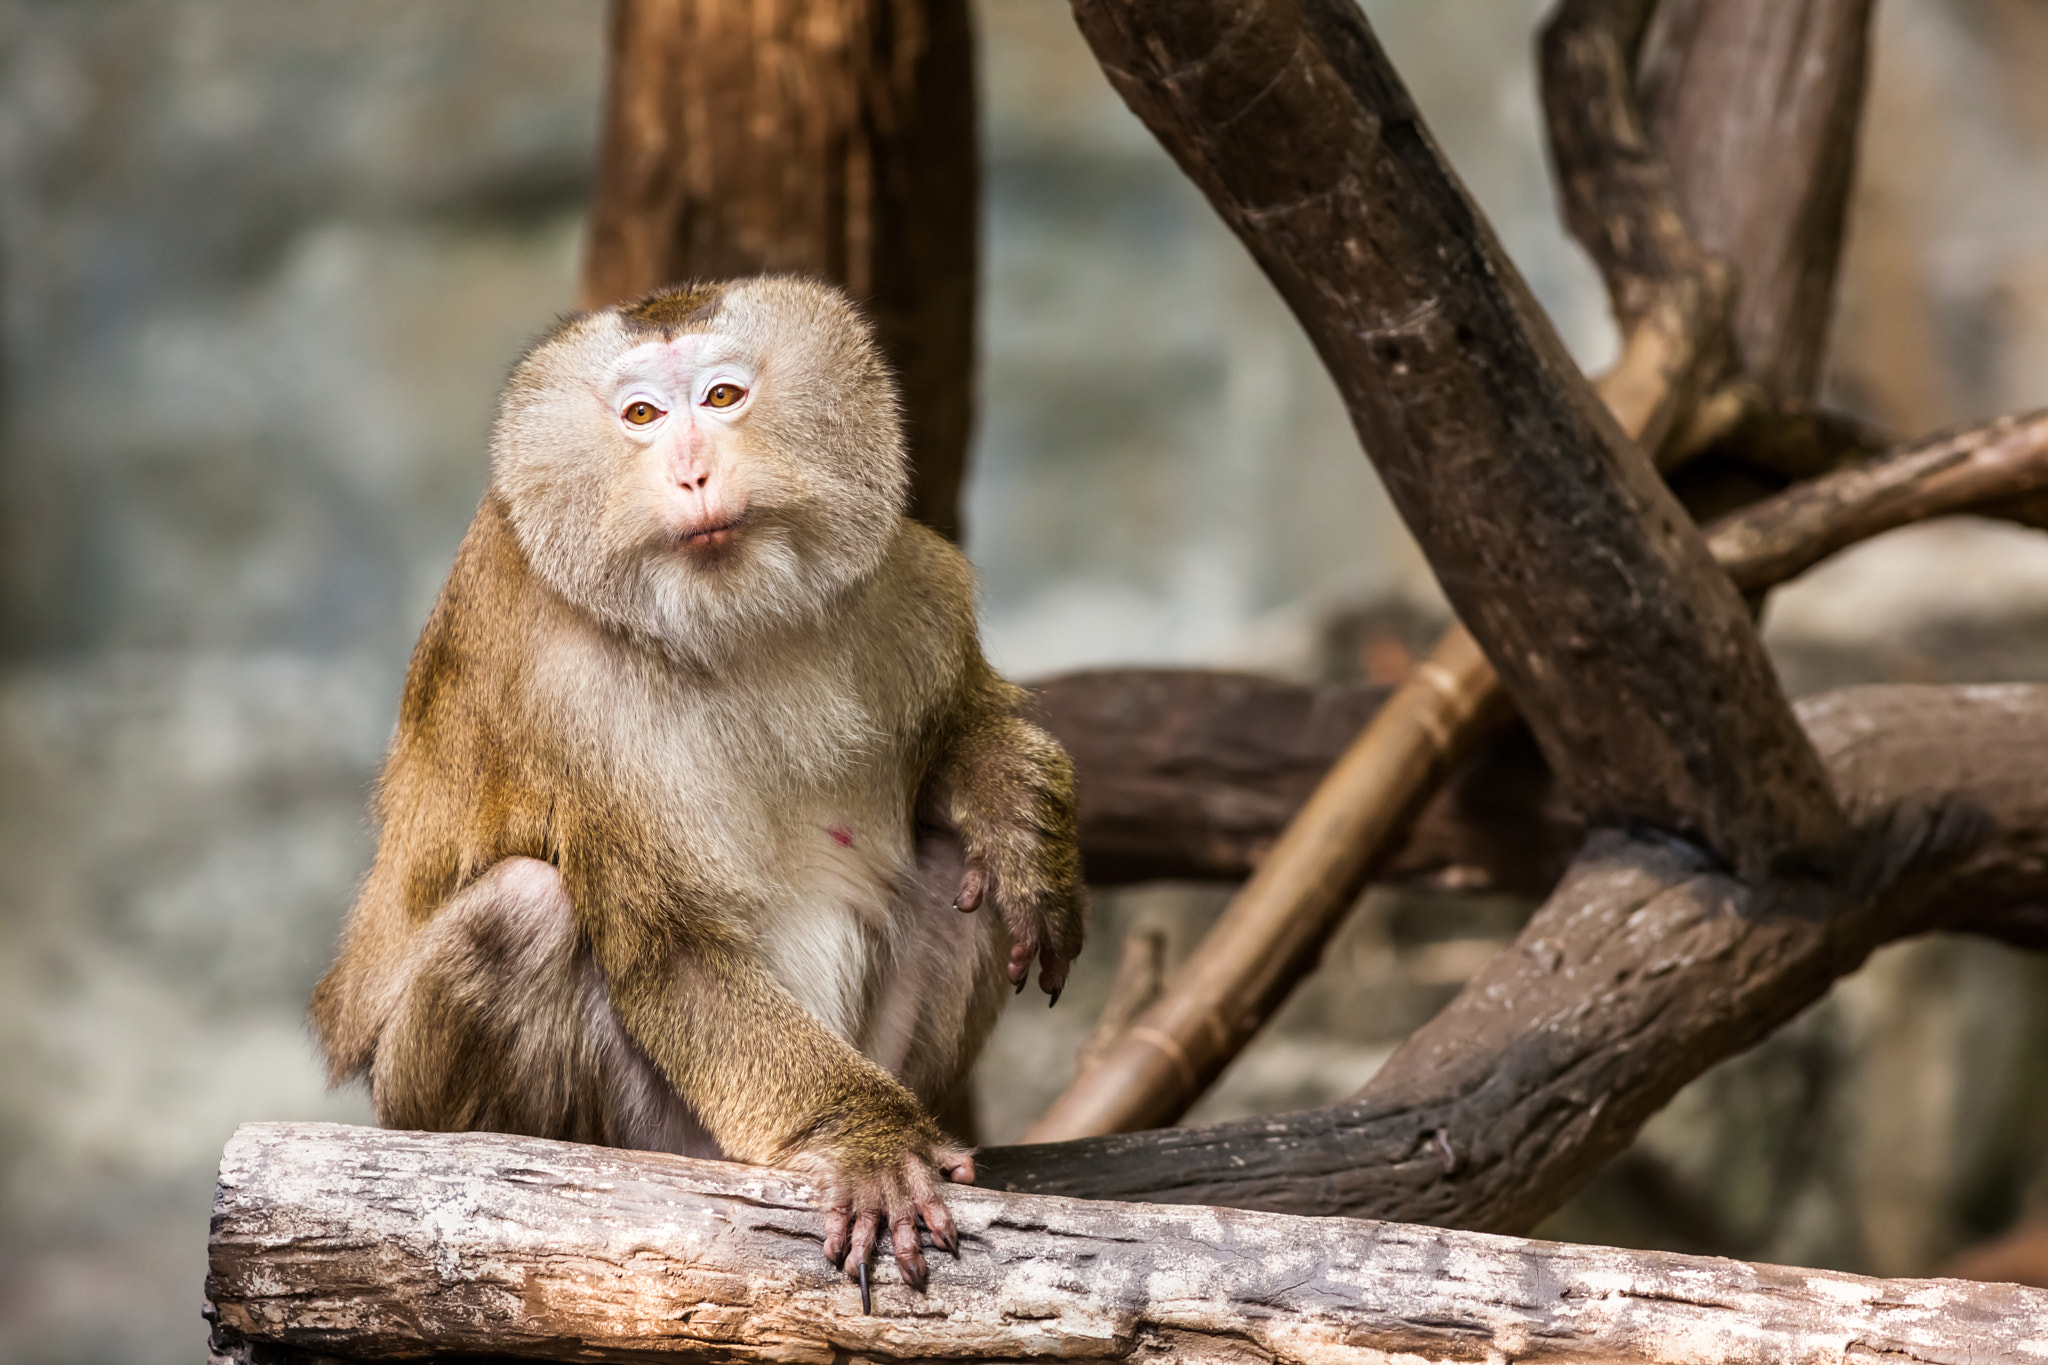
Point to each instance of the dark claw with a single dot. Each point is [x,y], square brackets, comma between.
[867,1305]
[1055,996]
[1020,985]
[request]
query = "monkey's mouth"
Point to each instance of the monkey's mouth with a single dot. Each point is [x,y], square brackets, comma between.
[713,536]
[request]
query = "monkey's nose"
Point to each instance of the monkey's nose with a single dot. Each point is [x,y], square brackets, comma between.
[698,482]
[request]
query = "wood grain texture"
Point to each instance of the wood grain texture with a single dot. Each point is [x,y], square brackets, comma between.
[1629,655]
[833,138]
[1647,965]
[361,1244]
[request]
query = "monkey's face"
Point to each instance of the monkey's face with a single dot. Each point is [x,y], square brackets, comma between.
[704,464]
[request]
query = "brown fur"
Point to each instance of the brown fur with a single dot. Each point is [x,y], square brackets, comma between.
[611,900]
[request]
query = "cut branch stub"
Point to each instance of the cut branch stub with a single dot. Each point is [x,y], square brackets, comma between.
[833,138]
[1627,651]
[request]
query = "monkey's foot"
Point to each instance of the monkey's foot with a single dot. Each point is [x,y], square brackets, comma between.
[897,1198]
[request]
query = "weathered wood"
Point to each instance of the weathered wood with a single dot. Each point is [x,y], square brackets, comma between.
[1755,105]
[833,138]
[1192,774]
[1648,964]
[1781,538]
[1629,655]
[376,1245]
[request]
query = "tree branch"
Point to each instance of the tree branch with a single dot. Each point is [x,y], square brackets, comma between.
[1755,105]
[1671,297]
[1648,964]
[1786,535]
[1629,655]
[363,1244]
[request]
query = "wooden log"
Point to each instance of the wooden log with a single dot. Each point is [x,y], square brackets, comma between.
[359,1244]
[1194,774]
[833,138]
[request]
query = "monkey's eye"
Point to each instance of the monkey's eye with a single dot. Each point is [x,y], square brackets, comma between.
[640,412]
[724,395]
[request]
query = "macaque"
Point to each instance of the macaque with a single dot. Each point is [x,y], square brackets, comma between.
[697,766]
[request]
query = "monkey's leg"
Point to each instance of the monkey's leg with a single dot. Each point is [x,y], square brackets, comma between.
[942,987]
[501,1022]
[1008,788]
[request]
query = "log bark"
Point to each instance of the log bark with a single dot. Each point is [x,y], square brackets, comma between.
[1648,964]
[332,1242]
[833,138]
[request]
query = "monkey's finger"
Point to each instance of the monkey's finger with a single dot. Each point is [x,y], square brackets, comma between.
[1021,954]
[972,883]
[838,1228]
[938,1220]
[909,1255]
[1052,979]
[862,1245]
[958,1166]
[924,1195]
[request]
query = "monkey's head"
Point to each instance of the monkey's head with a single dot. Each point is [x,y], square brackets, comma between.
[705,462]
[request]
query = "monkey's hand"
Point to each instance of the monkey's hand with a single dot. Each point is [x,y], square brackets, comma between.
[1044,923]
[1008,788]
[881,1165]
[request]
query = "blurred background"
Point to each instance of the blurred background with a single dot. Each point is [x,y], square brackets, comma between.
[262,269]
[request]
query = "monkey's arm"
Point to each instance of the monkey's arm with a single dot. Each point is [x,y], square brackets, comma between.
[1008,788]
[777,1087]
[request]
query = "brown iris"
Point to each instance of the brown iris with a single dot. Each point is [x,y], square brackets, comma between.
[641,412]
[724,395]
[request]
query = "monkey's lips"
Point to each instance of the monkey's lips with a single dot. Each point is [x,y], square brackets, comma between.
[711,535]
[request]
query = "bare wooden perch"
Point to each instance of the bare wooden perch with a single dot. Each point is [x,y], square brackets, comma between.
[330,1240]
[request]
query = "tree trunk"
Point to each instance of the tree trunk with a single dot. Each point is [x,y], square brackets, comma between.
[832,138]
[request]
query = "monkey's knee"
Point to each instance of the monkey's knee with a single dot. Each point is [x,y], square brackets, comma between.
[488,1030]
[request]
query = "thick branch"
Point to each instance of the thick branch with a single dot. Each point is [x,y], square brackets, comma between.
[835,138]
[1755,106]
[359,1243]
[1670,296]
[1646,966]
[1628,653]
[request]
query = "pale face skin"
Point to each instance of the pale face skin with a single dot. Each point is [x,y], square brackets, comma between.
[683,403]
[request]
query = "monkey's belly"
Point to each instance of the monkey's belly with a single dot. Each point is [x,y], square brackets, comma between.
[834,929]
